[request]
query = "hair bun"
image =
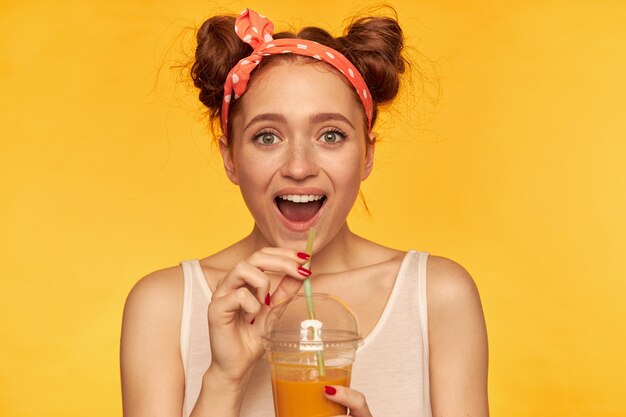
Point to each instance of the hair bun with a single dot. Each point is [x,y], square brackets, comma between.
[218,50]
[374,45]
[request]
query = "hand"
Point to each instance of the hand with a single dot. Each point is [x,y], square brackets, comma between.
[238,309]
[350,398]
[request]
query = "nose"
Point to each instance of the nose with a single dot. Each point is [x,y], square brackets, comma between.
[300,161]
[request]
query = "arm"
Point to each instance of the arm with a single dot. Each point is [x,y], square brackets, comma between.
[151,367]
[458,342]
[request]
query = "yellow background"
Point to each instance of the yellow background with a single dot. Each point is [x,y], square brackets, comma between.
[107,173]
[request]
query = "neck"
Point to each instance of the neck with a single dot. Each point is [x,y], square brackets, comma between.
[340,254]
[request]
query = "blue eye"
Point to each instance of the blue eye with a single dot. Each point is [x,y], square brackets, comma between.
[332,136]
[266,138]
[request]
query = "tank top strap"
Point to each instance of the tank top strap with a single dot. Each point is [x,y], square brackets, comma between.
[422,265]
[185,322]
[195,286]
[195,350]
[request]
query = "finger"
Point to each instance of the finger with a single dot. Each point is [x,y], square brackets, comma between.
[300,257]
[242,275]
[279,260]
[228,308]
[287,287]
[350,398]
[252,271]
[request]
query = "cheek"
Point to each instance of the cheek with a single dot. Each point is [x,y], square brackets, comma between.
[346,174]
[254,171]
[349,164]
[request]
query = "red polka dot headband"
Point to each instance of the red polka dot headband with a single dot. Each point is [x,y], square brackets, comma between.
[257,31]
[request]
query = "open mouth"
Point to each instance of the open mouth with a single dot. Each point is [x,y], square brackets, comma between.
[300,208]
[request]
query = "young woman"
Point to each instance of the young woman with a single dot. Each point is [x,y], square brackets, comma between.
[297,113]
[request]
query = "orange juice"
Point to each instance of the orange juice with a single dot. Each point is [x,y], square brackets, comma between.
[299,391]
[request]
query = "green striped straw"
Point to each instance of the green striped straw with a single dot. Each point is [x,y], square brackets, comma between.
[309,297]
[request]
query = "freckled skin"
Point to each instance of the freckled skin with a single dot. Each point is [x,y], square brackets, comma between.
[291,150]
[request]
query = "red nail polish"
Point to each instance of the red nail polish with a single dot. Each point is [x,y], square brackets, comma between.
[330,390]
[303,255]
[304,271]
[267,299]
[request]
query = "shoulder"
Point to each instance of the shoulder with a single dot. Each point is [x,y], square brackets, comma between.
[159,286]
[151,322]
[156,297]
[455,313]
[453,301]
[449,283]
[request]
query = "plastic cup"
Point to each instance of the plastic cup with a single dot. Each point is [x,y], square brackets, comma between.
[307,353]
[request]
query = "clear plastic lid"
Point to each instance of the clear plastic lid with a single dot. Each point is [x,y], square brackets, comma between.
[290,326]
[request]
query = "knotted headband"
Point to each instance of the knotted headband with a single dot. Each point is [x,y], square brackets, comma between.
[258,31]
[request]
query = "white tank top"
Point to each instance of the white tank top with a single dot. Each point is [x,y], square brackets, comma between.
[391,366]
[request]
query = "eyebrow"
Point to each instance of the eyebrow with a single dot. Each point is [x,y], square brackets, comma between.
[272,117]
[324,117]
[315,118]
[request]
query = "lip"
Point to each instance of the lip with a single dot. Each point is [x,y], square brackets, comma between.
[300,226]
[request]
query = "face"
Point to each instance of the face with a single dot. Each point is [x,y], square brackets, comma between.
[299,151]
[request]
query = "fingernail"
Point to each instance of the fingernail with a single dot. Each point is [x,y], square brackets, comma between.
[303,255]
[267,299]
[330,390]
[303,271]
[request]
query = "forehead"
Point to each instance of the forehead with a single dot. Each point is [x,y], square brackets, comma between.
[298,89]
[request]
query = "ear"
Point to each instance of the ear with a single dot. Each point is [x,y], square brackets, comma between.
[227,157]
[369,156]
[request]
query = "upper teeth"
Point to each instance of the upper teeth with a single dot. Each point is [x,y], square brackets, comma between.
[299,198]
